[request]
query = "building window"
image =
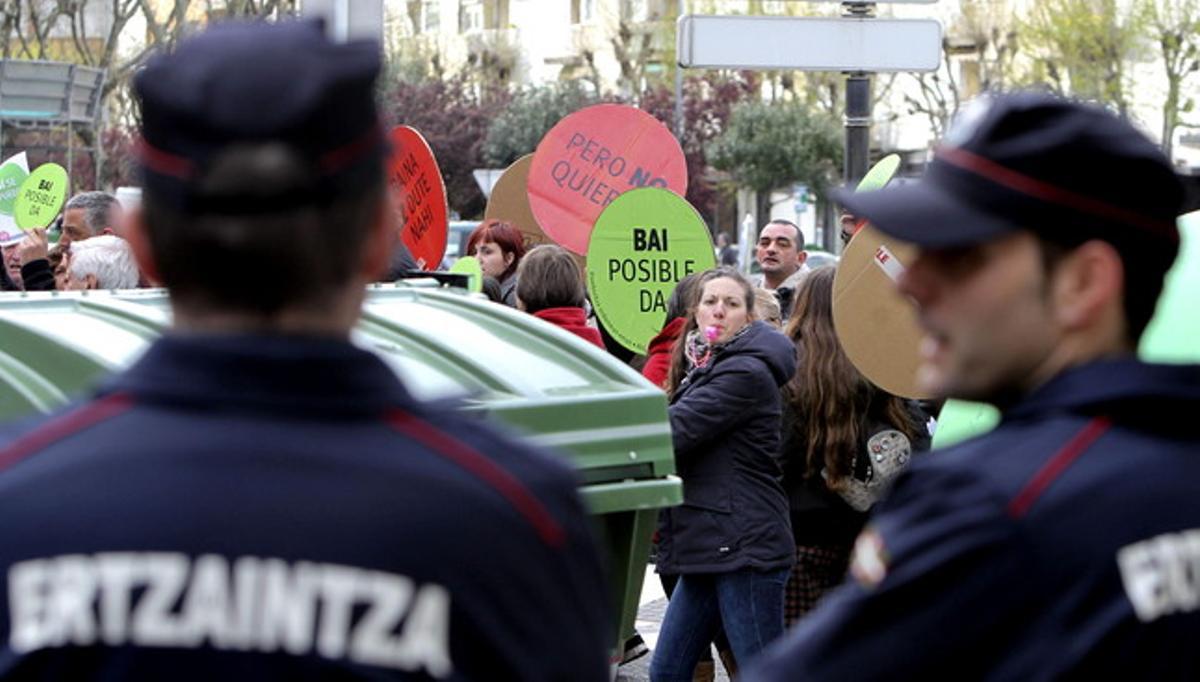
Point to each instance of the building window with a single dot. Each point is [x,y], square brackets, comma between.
[635,10]
[431,17]
[583,11]
[470,15]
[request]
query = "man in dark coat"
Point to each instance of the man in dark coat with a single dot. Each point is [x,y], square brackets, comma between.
[257,498]
[1063,545]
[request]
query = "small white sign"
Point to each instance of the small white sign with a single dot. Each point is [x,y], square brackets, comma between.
[887,261]
[808,44]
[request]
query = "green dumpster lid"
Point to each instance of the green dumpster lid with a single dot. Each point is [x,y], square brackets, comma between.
[557,389]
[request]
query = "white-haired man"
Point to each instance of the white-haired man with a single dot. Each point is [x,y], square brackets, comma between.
[104,262]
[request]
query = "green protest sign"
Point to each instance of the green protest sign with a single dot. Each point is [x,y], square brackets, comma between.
[1171,337]
[12,174]
[1172,333]
[960,420]
[467,265]
[643,243]
[40,197]
[880,174]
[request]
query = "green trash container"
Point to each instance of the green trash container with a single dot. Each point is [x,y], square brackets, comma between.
[557,389]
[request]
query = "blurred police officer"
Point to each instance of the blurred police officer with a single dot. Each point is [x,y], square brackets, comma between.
[1066,543]
[257,498]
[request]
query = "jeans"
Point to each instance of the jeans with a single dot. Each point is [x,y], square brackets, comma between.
[748,603]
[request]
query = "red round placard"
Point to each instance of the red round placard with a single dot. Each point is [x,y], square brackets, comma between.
[420,196]
[589,158]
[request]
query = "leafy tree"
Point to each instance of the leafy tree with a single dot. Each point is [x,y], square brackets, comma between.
[453,116]
[1174,28]
[516,130]
[1082,48]
[981,39]
[708,103]
[770,145]
[68,30]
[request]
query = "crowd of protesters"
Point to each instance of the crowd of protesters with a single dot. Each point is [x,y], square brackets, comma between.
[88,251]
[767,447]
[1015,556]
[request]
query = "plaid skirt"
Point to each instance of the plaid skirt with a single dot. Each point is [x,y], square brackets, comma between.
[818,569]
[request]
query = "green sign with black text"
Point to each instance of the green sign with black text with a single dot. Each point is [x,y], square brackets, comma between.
[643,243]
[40,197]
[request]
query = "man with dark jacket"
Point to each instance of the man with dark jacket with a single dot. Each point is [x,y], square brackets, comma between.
[257,498]
[1064,544]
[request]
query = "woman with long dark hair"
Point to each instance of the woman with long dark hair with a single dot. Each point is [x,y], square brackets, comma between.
[729,542]
[843,440]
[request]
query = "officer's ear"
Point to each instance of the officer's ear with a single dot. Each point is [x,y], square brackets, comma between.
[381,237]
[139,243]
[1088,288]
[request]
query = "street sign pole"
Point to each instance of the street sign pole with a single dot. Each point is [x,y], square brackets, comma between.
[858,137]
[857,122]
[679,91]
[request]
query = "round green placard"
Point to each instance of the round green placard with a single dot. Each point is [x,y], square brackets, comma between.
[467,265]
[1172,334]
[960,420]
[643,243]
[1171,337]
[11,177]
[880,174]
[40,197]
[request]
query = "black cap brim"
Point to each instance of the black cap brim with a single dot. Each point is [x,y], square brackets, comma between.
[922,214]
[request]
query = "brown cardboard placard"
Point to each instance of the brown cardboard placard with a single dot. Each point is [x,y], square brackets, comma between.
[876,325]
[510,202]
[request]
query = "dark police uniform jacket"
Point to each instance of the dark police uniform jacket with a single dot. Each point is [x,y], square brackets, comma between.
[280,508]
[1063,545]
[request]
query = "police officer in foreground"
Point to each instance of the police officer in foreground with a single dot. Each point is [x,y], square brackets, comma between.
[257,498]
[1065,544]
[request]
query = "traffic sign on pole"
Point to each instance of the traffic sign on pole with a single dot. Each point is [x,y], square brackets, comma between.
[808,44]
[348,19]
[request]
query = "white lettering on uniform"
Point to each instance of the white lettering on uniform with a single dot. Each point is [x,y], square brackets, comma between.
[164,575]
[116,583]
[391,596]
[338,588]
[1162,574]
[288,607]
[247,604]
[27,587]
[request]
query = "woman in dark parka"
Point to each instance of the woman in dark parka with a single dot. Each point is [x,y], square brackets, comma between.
[730,541]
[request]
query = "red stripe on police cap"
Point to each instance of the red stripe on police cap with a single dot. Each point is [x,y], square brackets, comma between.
[1050,193]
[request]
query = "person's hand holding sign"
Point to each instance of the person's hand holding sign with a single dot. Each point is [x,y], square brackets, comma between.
[35,246]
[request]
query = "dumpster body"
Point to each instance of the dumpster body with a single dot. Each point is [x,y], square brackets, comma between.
[553,388]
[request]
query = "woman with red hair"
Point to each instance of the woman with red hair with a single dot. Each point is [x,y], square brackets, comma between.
[498,246]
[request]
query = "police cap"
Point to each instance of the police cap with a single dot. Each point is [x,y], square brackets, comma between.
[255,83]
[1032,161]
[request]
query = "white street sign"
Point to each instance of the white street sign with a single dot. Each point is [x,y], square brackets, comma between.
[808,44]
[348,19]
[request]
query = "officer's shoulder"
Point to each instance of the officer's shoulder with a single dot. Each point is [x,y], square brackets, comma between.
[996,464]
[28,433]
